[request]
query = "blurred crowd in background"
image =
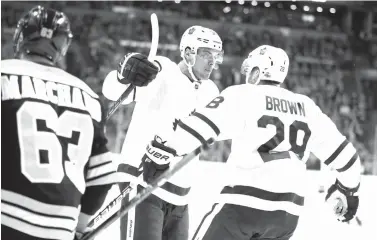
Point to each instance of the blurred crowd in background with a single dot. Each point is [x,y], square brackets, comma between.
[333,57]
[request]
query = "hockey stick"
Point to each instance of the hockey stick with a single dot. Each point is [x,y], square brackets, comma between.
[151,56]
[146,192]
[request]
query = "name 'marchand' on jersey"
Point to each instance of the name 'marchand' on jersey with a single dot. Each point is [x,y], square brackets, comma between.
[22,87]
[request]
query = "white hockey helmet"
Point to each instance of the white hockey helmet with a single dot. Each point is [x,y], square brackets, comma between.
[272,63]
[197,36]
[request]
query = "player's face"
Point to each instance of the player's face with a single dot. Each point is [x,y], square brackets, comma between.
[206,60]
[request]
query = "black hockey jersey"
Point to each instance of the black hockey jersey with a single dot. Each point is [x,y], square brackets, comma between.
[53,151]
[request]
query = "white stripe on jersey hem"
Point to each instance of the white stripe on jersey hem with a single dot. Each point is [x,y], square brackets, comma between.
[125,177]
[48,221]
[168,196]
[37,206]
[261,204]
[35,231]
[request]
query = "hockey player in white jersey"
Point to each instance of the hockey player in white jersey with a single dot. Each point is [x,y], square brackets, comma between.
[176,91]
[273,131]
[55,167]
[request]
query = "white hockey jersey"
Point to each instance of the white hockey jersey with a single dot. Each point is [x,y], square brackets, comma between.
[273,131]
[172,95]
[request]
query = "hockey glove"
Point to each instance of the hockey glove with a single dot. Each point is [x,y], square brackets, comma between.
[135,68]
[156,160]
[345,200]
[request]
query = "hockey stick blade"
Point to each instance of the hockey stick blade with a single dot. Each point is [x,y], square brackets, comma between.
[146,192]
[151,56]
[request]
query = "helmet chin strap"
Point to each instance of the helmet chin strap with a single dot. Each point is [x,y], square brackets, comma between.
[189,68]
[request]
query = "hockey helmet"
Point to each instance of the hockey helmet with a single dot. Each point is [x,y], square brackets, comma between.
[196,37]
[271,62]
[43,32]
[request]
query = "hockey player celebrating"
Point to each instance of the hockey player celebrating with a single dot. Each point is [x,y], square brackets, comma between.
[177,91]
[273,131]
[54,156]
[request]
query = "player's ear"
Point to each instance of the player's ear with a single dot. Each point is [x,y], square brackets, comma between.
[254,76]
[189,56]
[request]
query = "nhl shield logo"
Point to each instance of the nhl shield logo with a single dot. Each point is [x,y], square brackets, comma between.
[191,31]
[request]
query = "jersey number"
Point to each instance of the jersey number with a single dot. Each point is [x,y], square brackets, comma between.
[215,102]
[35,143]
[279,136]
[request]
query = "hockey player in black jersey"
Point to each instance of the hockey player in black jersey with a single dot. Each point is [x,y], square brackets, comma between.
[56,168]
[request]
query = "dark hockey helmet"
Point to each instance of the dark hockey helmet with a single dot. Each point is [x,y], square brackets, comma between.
[43,32]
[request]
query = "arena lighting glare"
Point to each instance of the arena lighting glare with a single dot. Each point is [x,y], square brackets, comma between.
[254,3]
[332,10]
[319,9]
[293,7]
[226,9]
[177,1]
[228,1]
[267,4]
[241,2]
[306,8]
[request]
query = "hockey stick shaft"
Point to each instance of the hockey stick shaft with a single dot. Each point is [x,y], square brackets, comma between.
[114,107]
[146,192]
[151,56]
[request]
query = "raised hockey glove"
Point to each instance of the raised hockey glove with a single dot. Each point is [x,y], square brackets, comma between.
[156,159]
[345,200]
[135,68]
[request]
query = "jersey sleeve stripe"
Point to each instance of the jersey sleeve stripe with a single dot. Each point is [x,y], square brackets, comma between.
[37,219]
[192,132]
[208,121]
[37,206]
[100,176]
[99,165]
[337,152]
[34,229]
[349,163]
[109,178]
[101,158]
[100,170]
